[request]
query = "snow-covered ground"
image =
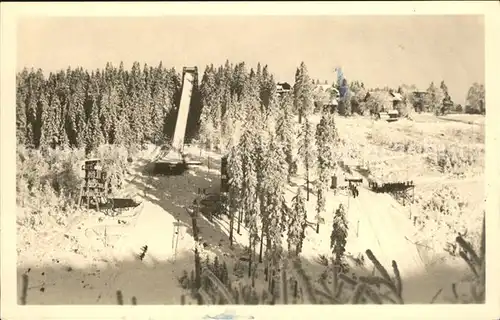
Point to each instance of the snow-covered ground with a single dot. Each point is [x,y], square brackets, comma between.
[96,255]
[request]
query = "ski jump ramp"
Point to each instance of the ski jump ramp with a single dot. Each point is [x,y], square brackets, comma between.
[182,116]
[174,158]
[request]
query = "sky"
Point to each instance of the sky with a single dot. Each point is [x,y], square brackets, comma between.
[377,50]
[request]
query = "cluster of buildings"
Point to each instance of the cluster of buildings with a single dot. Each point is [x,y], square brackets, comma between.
[328,96]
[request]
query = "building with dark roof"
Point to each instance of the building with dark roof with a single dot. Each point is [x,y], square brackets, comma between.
[283,87]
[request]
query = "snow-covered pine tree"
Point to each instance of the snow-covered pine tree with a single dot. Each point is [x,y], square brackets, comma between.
[93,133]
[249,187]
[267,92]
[285,132]
[48,126]
[261,156]
[296,223]
[325,140]
[161,104]
[297,92]
[303,92]
[251,101]
[60,122]
[135,110]
[228,126]
[274,192]
[33,111]
[145,105]
[306,151]
[121,128]
[239,79]
[276,168]
[210,113]
[227,101]
[21,106]
[110,100]
[338,238]
[235,172]
[248,173]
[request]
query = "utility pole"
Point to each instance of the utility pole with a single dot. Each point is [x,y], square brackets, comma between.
[175,237]
[348,199]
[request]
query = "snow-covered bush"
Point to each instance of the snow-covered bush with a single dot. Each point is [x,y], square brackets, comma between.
[444,214]
[456,159]
[114,163]
[48,182]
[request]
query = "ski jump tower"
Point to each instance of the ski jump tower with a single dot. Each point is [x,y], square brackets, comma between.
[174,161]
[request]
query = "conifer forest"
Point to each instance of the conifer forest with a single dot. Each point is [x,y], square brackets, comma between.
[312,192]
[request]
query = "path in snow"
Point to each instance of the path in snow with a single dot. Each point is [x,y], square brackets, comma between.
[389,231]
[379,223]
[384,228]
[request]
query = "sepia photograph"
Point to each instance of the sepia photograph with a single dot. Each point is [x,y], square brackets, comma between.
[250,160]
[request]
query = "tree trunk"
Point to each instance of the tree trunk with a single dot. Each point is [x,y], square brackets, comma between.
[269,279]
[231,228]
[317,227]
[284,282]
[253,277]
[295,289]
[261,245]
[307,179]
[250,248]
[268,245]
[301,240]
[197,260]
[335,279]
[272,283]
[239,222]
[245,219]
[254,266]
[197,264]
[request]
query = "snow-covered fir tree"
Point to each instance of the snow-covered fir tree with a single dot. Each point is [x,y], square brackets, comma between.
[297,223]
[286,133]
[303,93]
[235,173]
[338,238]
[307,151]
[325,140]
[274,185]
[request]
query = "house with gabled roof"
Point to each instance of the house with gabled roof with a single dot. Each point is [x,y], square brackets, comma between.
[283,87]
[327,95]
[397,99]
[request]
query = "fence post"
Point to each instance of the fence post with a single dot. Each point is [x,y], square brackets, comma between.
[177,234]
